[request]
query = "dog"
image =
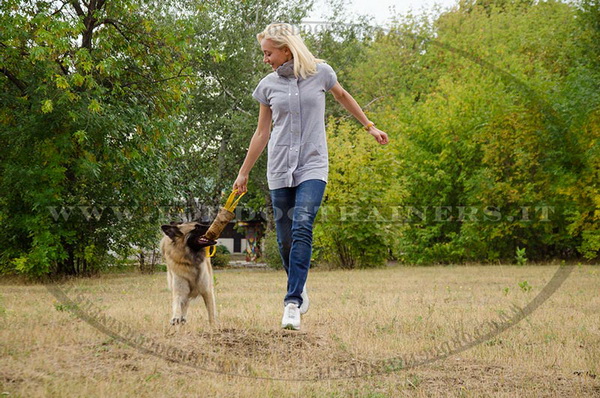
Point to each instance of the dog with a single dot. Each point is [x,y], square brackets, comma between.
[189,271]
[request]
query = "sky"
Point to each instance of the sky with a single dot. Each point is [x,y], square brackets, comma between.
[380,9]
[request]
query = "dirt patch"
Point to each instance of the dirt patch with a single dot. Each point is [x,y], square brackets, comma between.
[498,380]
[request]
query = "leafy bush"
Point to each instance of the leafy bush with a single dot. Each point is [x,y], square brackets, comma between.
[160,268]
[270,253]
[497,150]
[350,230]
[221,258]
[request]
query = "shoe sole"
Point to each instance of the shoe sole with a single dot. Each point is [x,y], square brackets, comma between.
[304,310]
[289,326]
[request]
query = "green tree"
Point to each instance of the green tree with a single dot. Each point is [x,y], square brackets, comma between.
[88,116]
[495,115]
[353,229]
[222,114]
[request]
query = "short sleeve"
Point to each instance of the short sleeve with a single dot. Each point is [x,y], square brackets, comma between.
[329,77]
[260,93]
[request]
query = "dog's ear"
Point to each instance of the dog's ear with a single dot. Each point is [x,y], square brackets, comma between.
[172,231]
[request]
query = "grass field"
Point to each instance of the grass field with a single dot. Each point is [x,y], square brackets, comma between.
[357,319]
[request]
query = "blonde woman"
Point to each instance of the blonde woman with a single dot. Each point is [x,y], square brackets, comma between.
[292,98]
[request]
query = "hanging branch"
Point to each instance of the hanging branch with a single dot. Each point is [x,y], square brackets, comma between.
[22,86]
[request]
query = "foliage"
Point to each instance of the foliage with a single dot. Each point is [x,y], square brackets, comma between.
[495,123]
[221,258]
[525,286]
[520,256]
[270,250]
[351,229]
[113,111]
[88,107]
[222,114]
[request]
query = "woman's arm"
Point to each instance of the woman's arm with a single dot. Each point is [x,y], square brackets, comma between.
[348,102]
[257,145]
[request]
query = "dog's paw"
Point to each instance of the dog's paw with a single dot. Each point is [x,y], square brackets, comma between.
[178,321]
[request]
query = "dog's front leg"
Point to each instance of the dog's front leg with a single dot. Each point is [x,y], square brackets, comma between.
[181,292]
[208,295]
[211,306]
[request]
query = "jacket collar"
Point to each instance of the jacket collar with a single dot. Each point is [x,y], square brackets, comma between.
[286,69]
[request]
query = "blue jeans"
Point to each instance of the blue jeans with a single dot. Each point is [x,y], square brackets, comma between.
[295,210]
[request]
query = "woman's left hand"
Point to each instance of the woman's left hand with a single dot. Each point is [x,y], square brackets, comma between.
[379,135]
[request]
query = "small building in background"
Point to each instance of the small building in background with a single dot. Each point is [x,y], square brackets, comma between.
[244,237]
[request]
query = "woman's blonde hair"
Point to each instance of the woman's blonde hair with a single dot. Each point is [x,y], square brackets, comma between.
[286,35]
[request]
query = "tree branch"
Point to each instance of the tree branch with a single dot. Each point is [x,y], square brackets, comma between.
[160,80]
[22,86]
[62,67]
[347,116]
[89,21]
[230,95]
[21,51]
[60,9]
[77,8]
[370,102]
[116,24]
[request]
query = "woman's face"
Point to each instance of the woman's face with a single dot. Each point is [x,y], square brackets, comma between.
[274,56]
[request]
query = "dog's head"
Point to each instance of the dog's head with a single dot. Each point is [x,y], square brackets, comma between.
[185,235]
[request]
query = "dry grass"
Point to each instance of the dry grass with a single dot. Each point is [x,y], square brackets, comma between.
[356,319]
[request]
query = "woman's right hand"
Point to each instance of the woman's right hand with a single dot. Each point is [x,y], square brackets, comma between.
[241,183]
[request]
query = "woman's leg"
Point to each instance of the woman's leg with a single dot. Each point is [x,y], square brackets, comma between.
[283,201]
[308,197]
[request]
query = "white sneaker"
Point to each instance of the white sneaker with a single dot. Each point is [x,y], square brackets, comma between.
[291,317]
[304,306]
